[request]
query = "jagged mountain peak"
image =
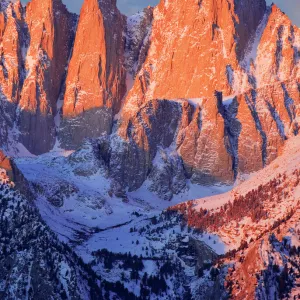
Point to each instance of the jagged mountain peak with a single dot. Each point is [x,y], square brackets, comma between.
[95,83]
[133,115]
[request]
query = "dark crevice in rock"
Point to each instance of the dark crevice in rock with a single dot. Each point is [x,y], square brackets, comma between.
[251,102]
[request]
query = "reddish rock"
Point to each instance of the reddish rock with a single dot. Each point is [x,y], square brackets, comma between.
[11,23]
[181,52]
[50,36]
[207,46]
[190,133]
[193,48]
[250,150]
[5,163]
[96,80]
[203,146]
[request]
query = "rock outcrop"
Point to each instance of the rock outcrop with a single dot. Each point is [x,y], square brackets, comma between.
[50,34]
[35,46]
[5,164]
[11,62]
[193,46]
[12,41]
[210,89]
[168,142]
[210,48]
[96,80]
[138,32]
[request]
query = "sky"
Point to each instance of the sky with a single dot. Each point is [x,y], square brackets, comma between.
[128,7]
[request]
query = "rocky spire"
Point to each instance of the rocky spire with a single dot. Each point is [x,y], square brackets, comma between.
[96,78]
[11,36]
[50,36]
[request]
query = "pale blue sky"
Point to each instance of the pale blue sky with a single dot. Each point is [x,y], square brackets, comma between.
[290,7]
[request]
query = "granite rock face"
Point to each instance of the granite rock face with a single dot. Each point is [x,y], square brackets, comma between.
[35,46]
[138,31]
[11,62]
[96,80]
[50,34]
[193,46]
[134,146]
[208,89]
[167,142]
[242,72]
[12,41]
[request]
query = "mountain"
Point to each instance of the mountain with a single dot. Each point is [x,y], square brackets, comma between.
[111,125]
[34,264]
[96,79]
[258,224]
[240,244]
[213,59]
[36,44]
[263,89]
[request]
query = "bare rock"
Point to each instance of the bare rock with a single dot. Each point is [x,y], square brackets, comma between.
[96,80]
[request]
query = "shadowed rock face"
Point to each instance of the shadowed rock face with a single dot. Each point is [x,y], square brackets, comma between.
[133,150]
[96,77]
[167,142]
[89,124]
[248,16]
[138,31]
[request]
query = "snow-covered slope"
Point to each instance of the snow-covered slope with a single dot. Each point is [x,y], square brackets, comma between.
[73,192]
[34,264]
[168,139]
[258,224]
[73,195]
[254,205]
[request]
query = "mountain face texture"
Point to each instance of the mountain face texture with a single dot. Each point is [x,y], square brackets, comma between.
[230,69]
[96,80]
[243,244]
[35,48]
[110,120]
[249,83]
[210,28]
[50,32]
[138,30]
[184,130]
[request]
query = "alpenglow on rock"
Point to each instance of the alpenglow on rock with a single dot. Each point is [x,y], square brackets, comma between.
[96,80]
[249,60]
[230,71]
[36,44]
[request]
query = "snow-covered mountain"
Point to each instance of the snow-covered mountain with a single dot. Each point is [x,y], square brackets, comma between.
[115,125]
[258,224]
[243,243]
